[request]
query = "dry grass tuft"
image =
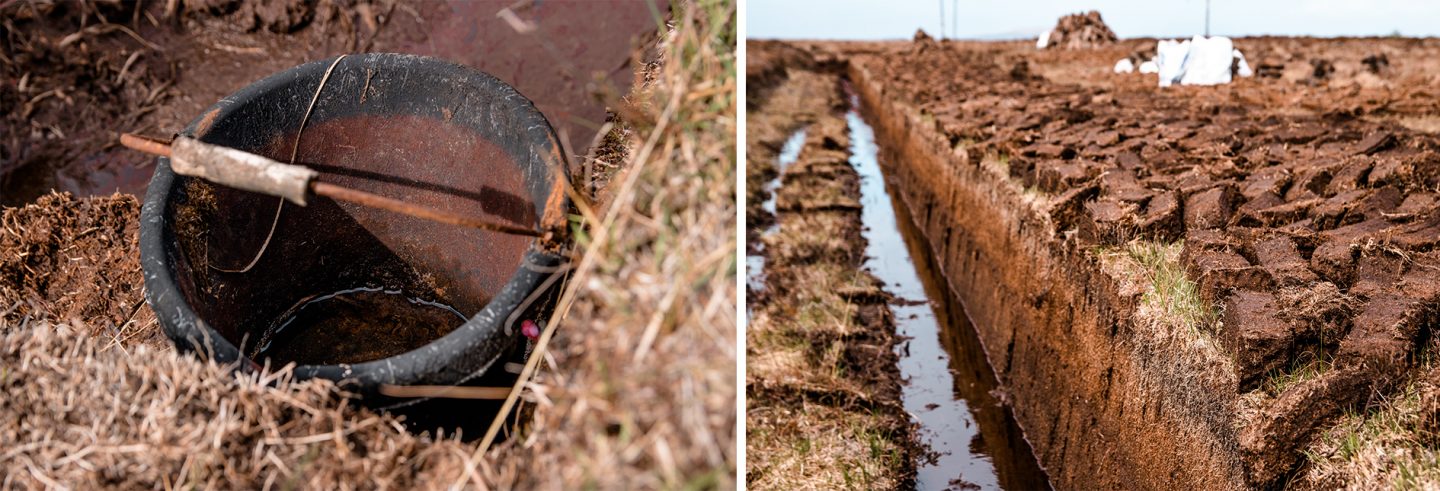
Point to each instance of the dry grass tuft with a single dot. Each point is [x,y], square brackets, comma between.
[801,338]
[1152,271]
[1391,446]
[644,394]
[1172,297]
[825,236]
[78,415]
[1320,308]
[1173,332]
[850,450]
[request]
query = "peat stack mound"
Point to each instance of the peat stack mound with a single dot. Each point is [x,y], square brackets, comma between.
[1080,31]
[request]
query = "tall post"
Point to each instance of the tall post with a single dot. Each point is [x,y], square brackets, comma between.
[955,19]
[1207,18]
[942,19]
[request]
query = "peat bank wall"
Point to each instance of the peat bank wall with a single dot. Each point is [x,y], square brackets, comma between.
[1106,398]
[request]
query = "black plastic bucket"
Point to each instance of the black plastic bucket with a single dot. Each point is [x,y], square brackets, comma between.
[408,127]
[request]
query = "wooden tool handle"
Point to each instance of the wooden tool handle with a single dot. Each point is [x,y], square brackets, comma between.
[243,170]
[376,201]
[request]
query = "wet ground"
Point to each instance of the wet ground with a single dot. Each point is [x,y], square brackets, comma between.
[949,384]
[755,258]
[77,74]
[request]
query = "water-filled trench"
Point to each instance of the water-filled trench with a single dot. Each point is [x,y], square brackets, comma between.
[949,387]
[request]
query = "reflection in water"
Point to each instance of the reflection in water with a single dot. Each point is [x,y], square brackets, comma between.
[355,326]
[789,152]
[755,261]
[948,379]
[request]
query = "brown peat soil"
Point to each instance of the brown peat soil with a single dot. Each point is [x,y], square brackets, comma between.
[1229,286]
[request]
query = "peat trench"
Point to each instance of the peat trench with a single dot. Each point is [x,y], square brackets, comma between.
[950,389]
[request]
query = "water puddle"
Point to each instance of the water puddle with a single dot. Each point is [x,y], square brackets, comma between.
[789,153]
[755,260]
[355,326]
[948,379]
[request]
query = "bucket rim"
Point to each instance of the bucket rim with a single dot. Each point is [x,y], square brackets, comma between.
[448,360]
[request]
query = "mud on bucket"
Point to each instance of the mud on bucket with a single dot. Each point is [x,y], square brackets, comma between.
[361,296]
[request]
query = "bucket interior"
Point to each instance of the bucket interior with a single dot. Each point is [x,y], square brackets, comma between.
[392,282]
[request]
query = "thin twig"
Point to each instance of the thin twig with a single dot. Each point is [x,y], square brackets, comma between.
[120,78]
[294,150]
[444,391]
[103,28]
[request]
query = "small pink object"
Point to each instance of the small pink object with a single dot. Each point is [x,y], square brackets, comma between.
[530,329]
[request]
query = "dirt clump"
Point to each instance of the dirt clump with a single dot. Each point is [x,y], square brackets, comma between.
[1376,63]
[1257,335]
[1081,31]
[77,260]
[279,16]
[923,42]
[1321,68]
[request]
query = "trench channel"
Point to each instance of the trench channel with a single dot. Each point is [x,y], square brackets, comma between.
[949,387]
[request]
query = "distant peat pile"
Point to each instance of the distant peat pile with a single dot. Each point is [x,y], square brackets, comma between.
[1080,31]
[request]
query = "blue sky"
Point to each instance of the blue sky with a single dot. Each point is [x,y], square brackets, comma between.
[998,19]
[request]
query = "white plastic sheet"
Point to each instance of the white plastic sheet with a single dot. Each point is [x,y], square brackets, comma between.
[1244,69]
[1170,59]
[1124,66]
[1198,61]
[1043,41]
[1209,61]
[1149,66]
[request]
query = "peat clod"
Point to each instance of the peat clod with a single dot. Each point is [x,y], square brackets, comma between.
[1376,63]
